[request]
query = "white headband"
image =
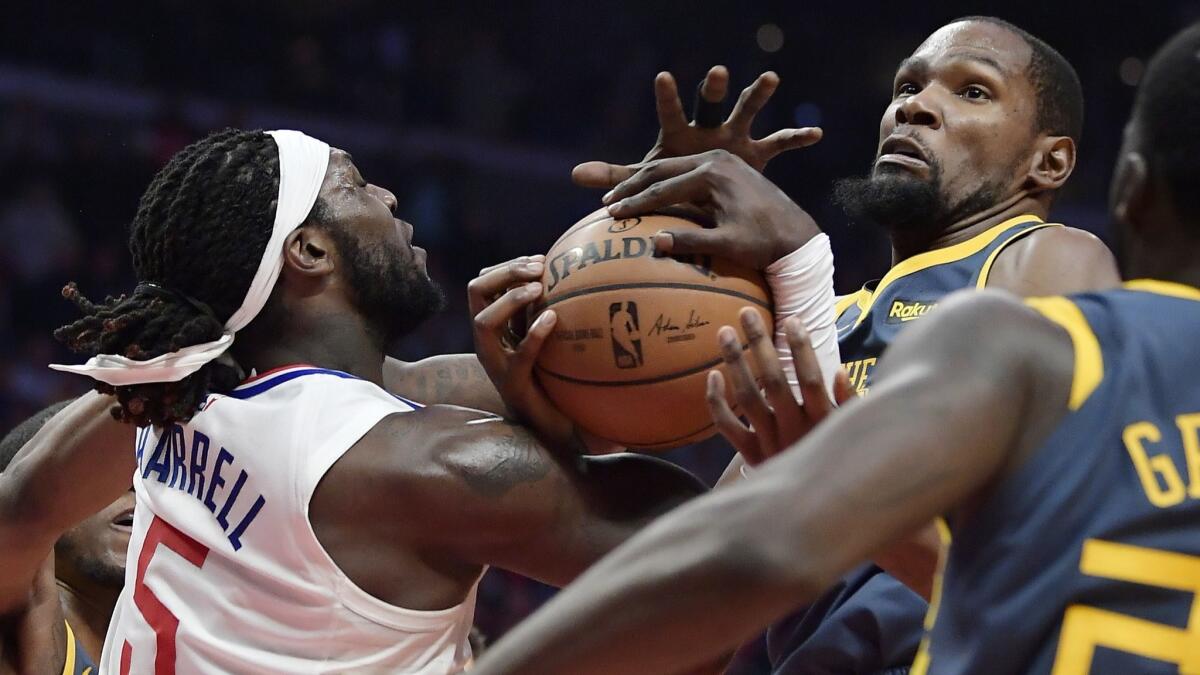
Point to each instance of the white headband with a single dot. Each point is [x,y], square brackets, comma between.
[302,164]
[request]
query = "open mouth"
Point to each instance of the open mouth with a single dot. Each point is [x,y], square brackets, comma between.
[902,150]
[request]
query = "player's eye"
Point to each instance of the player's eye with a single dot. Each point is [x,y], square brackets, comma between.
[975,92]
[907,89]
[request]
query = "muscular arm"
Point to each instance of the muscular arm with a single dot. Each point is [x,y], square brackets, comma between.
[452,379]
[468,489]
[1055,261]
[80,461]
[711,574]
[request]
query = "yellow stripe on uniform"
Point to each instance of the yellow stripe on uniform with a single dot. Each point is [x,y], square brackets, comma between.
[1089,362]
[69,666]
[940,256]
[920,664]
[1164,288]
[849,300]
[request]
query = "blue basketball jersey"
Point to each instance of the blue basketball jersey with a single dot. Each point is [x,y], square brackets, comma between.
[1086,560]
[870,623]
[77,662]
[870,319]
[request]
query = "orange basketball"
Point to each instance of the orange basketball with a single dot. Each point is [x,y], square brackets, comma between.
[637,335]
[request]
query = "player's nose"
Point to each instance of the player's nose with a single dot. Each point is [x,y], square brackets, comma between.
[920,110]
[387,198]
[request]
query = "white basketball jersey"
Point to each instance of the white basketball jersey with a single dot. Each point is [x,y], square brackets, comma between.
[225,574]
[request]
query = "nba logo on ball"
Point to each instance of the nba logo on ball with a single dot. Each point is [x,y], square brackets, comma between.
[626,337]
[637,333]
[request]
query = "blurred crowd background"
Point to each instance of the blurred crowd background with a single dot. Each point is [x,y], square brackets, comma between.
[473,114]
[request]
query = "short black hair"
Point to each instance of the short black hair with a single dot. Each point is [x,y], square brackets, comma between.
[1166,115]
[18,437]
[200,231]
[1060,94]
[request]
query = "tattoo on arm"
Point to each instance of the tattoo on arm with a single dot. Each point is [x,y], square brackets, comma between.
[455,380]
[514,457]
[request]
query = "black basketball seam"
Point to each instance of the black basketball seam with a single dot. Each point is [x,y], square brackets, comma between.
[579,226]
[631,383]
[659,444]
[655,284]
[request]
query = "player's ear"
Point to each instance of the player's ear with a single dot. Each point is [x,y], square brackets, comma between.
[1127,199]
[1051,164]
[306,251]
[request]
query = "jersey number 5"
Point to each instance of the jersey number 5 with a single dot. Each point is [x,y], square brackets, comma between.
[161,620]
[1085,628]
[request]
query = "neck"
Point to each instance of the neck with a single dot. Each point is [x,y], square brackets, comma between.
[1177,262]
[909,242]
[88,611]
[341,342]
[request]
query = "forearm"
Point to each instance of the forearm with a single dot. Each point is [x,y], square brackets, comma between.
[802,286]
[452,379]
[81,460]
[660,603]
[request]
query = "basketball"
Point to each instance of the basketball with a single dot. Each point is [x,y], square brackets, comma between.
[637,334]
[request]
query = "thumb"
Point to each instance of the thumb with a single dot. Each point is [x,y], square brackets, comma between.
[681,242]
[601,174]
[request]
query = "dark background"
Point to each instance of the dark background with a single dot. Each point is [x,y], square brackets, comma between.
[473,114]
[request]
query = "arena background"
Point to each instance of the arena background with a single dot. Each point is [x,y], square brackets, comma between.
[473,114]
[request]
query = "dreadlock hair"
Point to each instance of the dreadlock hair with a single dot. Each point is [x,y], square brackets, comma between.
[17,438]
[1165,112]
[197,240]
[1059,92]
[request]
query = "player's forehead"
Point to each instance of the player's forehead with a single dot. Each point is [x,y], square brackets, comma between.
[339,160]
[341,164]
[982,42]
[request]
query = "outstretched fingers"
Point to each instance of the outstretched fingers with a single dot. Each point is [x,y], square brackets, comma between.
[666,101]
[751,101]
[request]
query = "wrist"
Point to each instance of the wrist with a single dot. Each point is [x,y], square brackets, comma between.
[801,230]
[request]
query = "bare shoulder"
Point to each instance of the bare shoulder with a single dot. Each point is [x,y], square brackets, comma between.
[483,450]
[1055,261]
[452,464]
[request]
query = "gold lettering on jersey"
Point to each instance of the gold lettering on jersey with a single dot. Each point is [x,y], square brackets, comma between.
[1189,429]
[907,310]
[1084,628]
[858,371]
[1161,478]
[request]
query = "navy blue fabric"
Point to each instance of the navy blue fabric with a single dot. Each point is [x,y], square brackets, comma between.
[1018,563]
[870,623]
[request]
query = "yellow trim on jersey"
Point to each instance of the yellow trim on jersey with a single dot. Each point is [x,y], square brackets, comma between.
[940,256]
[920,664]
[1089,362]
[69,665]
[987,266]
[846,301]
[1164,288]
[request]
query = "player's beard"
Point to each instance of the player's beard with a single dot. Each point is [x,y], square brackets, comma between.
[88,564]
[899,201]
[395,295]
